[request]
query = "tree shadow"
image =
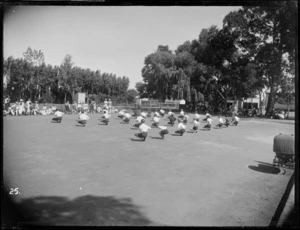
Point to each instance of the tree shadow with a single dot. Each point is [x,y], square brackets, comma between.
[102,124]
[265,168]
[86,210]
[176,134]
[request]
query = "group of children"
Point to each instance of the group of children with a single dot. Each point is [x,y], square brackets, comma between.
[27,108]
[182,123]
[182,118]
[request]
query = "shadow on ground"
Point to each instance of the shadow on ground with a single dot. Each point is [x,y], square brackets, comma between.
[265,168]
[83,211]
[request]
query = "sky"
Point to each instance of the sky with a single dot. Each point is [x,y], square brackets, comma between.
[112,39]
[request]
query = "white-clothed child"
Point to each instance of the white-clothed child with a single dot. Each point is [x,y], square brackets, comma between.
[181,128]
[143,130]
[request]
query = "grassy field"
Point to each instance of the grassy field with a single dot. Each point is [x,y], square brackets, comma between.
[102,175]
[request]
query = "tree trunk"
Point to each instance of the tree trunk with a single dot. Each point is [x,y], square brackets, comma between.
[260,107]
[271,102]
[65,99]
[288,111]
[73,96]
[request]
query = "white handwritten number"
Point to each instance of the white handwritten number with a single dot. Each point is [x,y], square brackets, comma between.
[14,191]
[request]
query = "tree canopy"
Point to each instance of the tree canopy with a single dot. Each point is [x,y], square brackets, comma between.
[30,78]
[254,50]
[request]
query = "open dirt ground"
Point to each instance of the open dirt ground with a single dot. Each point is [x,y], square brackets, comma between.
[98,175]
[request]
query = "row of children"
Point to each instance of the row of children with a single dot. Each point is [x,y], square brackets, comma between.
[182,122]
[125,116]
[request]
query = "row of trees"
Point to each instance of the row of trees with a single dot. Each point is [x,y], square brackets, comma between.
[255,50]
[31,78]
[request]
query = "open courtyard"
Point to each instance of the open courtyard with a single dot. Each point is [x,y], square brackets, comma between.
[103,175]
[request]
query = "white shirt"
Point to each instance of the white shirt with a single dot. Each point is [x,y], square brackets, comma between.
[156,119]
[221,121]
[207,115]
[236,118]
[127,115]
[170,113]
[139,118]
[162,127]
[144,128]
[186,117]
[156,113]
[121,112]
[181,126]
[182,113]
[143,114]
[196,123]
[162,111]
[83,117]
[58,114]
[197,116]
[209,121]
[106,116]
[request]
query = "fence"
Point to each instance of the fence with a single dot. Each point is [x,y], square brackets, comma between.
[169,105]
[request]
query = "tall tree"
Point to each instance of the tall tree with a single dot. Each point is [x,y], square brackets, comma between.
[36,57]
[267,34]
[64,76]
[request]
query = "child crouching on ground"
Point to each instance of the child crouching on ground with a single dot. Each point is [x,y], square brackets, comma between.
[221,122]
[195,126]
[83,118]
[235,120]
[122,113]
[209,122]
[185,119]
[105,117]
[207,115]
[181,114]
[163,131]
[138,121]
[227,122]
[156,121]
[126,118]
[196,116]
[170,113]
[172,119]
[144,114]
[58,116]
[181,128]
[162,112]
[143,130]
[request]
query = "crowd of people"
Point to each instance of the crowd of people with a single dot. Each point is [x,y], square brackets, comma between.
[26,108]
[33,108]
